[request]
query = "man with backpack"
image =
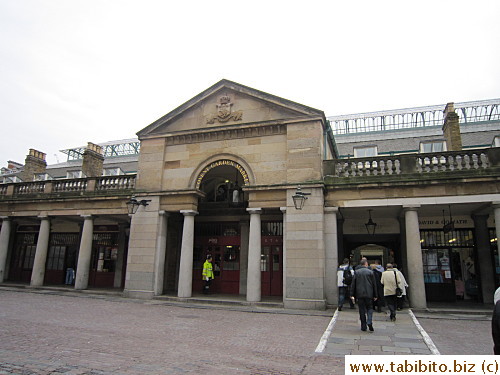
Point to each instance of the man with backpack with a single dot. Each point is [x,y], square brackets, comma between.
[344,279]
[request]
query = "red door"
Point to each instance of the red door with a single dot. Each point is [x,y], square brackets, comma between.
[225,251]
[271,266]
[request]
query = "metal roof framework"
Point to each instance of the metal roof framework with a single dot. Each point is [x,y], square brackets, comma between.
[468,112]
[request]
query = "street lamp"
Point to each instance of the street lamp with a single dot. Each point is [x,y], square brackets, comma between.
[133,204]
[299,198]
[370,225]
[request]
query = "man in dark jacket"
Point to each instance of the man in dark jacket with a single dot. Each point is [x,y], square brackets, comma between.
[364,290]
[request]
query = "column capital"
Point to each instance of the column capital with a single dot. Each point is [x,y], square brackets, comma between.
[87,217]
[283,209]
[189,212]
[331,210]
[254,211]
[411,207]
[5,218]
[164,213]
[44,217]
[495,204]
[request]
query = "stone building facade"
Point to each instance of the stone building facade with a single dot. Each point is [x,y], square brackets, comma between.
[218,175]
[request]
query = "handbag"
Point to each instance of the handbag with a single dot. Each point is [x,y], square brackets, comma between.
[399,291]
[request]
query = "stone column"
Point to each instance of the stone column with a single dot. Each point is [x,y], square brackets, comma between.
[85,253]
[161,248]
[185,288]
[283,209]
[486,270]
[331,256]
[42,248]
[4,246]
[414,255]
[254,254]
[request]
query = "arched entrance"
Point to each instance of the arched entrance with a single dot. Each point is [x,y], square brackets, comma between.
[219,224]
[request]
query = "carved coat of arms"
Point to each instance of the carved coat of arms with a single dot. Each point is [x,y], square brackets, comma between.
[224,112]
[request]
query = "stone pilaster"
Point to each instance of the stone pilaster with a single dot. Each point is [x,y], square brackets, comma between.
[85,253]
[4,246]
[414,255]
[254,253]
[305,251]
[42,247]
[185,289]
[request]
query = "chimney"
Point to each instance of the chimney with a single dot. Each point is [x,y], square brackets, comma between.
[451,129]
[34,163]
[93,160]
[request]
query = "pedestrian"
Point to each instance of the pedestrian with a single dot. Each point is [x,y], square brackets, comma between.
[207,274]
[495,323]
[377,271]
[391,281]
[344,280]
[401,300]
[364,291]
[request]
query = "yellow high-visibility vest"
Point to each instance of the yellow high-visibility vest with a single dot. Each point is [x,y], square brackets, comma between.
[207,270]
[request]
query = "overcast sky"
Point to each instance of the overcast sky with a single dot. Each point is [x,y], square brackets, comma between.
[74,71]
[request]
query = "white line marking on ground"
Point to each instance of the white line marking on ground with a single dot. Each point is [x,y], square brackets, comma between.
[324,339]
[427,338]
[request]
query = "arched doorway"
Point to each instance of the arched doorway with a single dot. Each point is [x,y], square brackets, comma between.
[222,212]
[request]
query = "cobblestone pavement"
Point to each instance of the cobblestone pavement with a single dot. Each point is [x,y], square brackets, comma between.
[459,334]
[44,332]
[56,334]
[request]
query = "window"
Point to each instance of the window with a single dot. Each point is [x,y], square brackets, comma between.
[112,172]
[496,141]
[7,180]
[42,177]
[365,152]
[74,174]
[432,146]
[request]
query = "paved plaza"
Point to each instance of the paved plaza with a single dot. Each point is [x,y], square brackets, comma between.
[47,332]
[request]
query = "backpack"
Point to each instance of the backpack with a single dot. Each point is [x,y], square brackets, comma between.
[347,276]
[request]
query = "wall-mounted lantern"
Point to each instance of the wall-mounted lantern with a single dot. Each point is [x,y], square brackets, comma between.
[299,198]
[133,204]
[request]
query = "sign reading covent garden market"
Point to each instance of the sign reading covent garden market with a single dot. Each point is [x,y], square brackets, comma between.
[220,163]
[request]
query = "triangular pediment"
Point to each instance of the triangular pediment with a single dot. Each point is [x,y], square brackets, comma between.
[225,104]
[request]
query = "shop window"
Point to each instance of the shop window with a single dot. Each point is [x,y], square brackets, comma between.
[55,258]
[365,152]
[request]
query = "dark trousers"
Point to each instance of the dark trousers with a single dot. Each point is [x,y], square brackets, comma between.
[391,304]
[495,328]
[400,302]
[365,306]
[206,287]
[343,294]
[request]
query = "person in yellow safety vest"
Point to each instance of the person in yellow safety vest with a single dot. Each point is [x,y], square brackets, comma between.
[207,274]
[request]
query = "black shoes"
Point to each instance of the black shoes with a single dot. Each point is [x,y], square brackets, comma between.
[340,308]
[370,327]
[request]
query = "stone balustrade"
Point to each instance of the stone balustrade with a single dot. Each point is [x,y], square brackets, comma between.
[80,186]
[446,162]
